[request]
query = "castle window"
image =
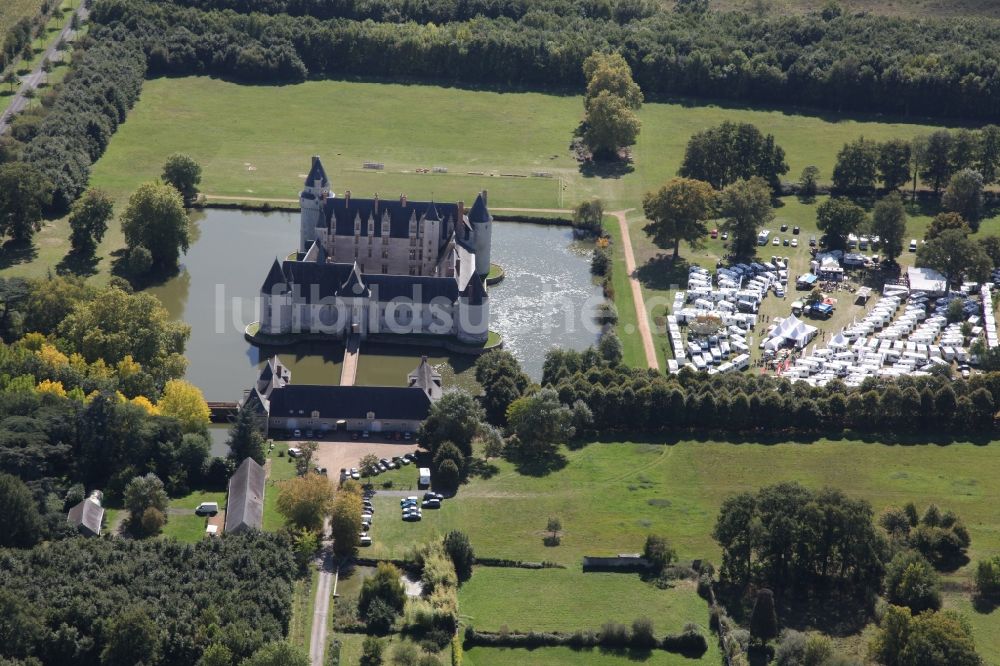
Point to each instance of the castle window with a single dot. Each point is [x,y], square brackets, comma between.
[369,253]
[413,255]
[385,268]
[385,239]
[413,270]
[413,241]
[385,254]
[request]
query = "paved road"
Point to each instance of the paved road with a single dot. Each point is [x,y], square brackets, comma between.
[328,574]
[641,315]
[33,80]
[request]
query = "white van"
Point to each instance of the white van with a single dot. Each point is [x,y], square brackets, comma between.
[913,245]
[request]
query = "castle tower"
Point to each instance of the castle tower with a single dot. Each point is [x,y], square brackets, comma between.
[482,232]
[312,201]
[358,296]
[473,324]
[275,302]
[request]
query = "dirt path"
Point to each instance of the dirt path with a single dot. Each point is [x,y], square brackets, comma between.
[336,455]
[641,315]
[317,641]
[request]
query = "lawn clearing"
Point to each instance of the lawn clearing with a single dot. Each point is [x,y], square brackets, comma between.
[303,605]
[568,600]
[282,468]
[350,648]
[497,141]
[565,656]
[11,11]
[187,528]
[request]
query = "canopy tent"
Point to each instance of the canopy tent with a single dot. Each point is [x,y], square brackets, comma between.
[838,342]
[791,330]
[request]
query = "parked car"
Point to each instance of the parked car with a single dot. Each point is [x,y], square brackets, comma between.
[294,452]
[309,434]
[207,509]
[812,241]
[431,504]
[795,230]
[411,517]
[715,233]
[297,433]
[795,242]
[364,434]
[364,540]
[913,245]
[776,241]
[407,437]
[785,242]
[430,495]
[784,227]
[725,235]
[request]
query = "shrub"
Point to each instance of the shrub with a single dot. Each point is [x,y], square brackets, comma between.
[643,635]
[911,581]
[371,652]
[690,642]
[457,545]
[988,578]
[613,634]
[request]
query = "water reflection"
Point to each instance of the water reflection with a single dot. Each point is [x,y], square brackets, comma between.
[546,300]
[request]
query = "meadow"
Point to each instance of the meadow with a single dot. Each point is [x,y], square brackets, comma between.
[254,142]
[11,11]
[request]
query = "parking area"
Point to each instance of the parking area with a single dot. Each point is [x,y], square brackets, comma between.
[335,455]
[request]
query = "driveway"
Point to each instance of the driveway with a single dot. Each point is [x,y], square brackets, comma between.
[335,455]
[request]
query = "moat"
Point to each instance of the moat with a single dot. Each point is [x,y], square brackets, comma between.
[547,299]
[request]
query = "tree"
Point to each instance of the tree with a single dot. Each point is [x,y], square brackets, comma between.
[448,476]
[184,174]
[503,382]
[610,125]
[20,522]
[808,182]
[836,218]
[456,417]
[368,465]
[911,581]
[745,207]
[386,585]
[610,348]
[303,462]
[894,163]
[492,439]
[143,492]
[677,212]
[152,521]
[989,153]
[988,578]
[889,224]
[305,501]
[88,220]
[588,217]
[216,654]
[448,451]
[937,167]
[133,638]
[459,550]
[856,167]
[277,653]
[991,246]
[658,552]
[46,69]
[553,527]
[345,520]
[11,79]
[155,219]
[541,423]
[185,402]
[944,221]
[764,619]
[245,439]
[728,152]
[608,72]
[955,256]
[371,651]
[964,149]
[964,195]
[24,194]
[927,639]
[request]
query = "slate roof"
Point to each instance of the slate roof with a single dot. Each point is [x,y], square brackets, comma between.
[426,378]
[87,517]
[317,172]
[341,213]
[245,506]
[335,279]
[479,213]
[354,286]
[275,276]
[350,402]
[475,290]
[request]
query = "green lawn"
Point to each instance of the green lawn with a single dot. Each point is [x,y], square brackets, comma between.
[282,468]
[229,128]
[564,656]
[303,606]
[632,349]
[609,496]
[568,600]
[190,528]
[11,11]
[350,651]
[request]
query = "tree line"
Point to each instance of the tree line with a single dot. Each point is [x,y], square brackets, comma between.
[842,62]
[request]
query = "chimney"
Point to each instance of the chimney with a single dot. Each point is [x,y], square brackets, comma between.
[376,203]
[461,212]
[347,197]
[484,197]
[402,200]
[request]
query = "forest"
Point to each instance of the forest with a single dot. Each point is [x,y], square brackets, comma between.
[111,601]
[835,61]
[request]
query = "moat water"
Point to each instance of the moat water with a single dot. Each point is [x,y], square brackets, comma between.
[546,300]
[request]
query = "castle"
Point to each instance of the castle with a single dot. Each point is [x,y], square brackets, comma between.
[369,266]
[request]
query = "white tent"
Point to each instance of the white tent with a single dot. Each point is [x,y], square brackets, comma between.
[790,330]
[838,341]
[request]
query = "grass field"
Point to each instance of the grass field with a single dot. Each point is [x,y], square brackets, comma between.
[350,650]
[229,128]
[567,600]
[564,656]
[303,605]
[11,11]
[609,496]
[282,468]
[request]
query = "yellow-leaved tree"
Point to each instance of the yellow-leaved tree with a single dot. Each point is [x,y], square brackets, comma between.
[184,401]
[306,500]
